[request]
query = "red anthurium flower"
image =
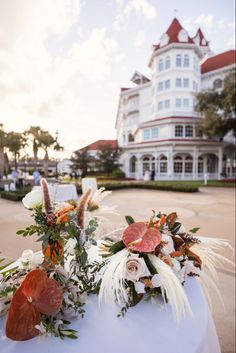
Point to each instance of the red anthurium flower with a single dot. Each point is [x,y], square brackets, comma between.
[139,237]
[37,294]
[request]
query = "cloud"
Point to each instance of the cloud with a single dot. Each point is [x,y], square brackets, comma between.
[206,20]
[140,39]
[127,8]
[40,85]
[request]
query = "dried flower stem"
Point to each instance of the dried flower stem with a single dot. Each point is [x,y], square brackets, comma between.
[82,206]
[46,196]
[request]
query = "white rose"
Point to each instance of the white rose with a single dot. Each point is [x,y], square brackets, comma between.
[188,268]
[135,268]
[169,247]
[70,246]
[26,257]
[181,230]
[139,287]
[36,260]
[33,199]
[156,281]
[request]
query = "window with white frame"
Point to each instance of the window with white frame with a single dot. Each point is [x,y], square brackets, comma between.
[160,86]
[167,62]
[163,164]
[160,65]
[200,165]
[178,102]
[160,105]
[217,84]
[133,100]
[188,131]
[154,132]
[186,60]
[188,165]
[167,103]
[178,82]
[179,131]
[178,165]
[146,134]
[185,102]
[178,60]
[167,84]
[186,83]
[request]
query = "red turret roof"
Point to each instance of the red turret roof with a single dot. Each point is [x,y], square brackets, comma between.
[202,39]
[173,32]
[218,61]
[99,143]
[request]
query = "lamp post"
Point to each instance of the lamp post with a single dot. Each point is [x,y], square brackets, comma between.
[56,154]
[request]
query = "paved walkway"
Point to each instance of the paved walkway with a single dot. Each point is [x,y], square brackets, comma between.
[212,209]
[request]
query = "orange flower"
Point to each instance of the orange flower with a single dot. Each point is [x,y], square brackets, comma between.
[62,215]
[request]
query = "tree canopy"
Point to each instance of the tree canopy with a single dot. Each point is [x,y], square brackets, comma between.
[218,109]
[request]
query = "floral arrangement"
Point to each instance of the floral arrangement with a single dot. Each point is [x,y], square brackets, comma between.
[48,288]
[153,259]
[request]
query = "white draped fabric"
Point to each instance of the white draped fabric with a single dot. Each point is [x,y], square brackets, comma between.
[61,192]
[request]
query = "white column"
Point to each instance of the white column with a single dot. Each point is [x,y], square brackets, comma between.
[195,163]
[220,162]
[139,168]
[170,163]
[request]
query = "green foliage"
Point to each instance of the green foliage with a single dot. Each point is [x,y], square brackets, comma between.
[82,160]
[218,108]
[129,219]
[194,230]
[107,158]
[118,246]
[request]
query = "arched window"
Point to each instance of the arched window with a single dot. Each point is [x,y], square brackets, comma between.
[186,60]
[132,164]
[178,164]
[130,137]
[178,60]
[188,165]
[163,164]
[200,165]
[218,83]
[160,65]
[167,62]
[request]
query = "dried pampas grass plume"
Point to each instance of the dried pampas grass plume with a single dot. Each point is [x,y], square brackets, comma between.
[46,196]
[82,206]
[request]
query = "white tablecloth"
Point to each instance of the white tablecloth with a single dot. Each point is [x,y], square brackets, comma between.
[61,192]
[145,328]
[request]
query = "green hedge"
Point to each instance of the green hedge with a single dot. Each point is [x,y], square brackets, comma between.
[147,185]
[12,196]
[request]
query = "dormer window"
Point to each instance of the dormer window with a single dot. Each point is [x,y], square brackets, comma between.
[164,39]
[183,36]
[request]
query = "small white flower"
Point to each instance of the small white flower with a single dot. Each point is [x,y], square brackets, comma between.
[181,230]
[139,287]
[26,257]
[156,281]
[33,199]
[41,328]
[169,247]
[36,260]
[70,246]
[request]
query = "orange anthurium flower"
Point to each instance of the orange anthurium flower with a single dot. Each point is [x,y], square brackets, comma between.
[139,237]
[37,294]
[62,215]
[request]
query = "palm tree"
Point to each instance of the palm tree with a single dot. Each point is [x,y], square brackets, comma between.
[35,132]
[15,142]
[3,143]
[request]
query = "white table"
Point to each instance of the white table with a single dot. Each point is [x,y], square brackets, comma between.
[145,328]
[61,192]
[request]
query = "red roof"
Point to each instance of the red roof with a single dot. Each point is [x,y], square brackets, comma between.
[218,61]
[173,32]
[123,89]
[199,33]
[99,143]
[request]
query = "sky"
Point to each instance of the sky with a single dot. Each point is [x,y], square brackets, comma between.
[62,62]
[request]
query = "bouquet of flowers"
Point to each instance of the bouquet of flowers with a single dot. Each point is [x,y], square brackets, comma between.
[48,288]
[153,259]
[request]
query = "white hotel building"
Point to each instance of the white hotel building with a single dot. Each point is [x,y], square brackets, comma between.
[156,122]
